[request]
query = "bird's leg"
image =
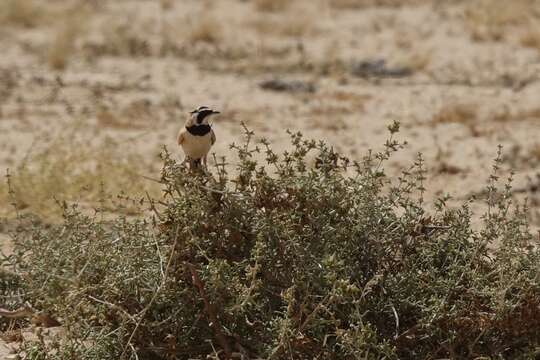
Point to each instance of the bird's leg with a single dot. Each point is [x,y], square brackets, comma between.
[205,161]
[195,164]
[190,162]
[187,160]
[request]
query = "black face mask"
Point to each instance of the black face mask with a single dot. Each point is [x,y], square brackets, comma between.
[198,130]
[203,114]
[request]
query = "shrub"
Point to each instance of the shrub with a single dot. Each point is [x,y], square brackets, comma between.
[286,260]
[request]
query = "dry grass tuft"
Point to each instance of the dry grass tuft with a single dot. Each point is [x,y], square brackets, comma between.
[71,23]
[350,4]
[293,25]
[297,26]
[417,61]
[531,39]
[108,119]
[411,60]
[535,152]
[327,117]
[455,113]
[26,13]
[272,5]
[505,115]
[206,30]
[120,39]
[63,45]
[464,114]
[490,20]
[355,99]
[359,4]
[263,26]
[135,115]
[533,113]
[166,4]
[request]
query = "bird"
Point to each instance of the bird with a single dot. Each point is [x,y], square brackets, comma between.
[197,136]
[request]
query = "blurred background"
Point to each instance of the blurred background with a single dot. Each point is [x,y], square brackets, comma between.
[91,90]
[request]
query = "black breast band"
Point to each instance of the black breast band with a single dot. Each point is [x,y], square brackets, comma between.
[199,130]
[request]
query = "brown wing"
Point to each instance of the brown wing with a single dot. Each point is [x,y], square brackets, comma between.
[180,138]
[212,137]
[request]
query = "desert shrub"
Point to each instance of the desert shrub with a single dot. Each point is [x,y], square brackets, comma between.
[281,259]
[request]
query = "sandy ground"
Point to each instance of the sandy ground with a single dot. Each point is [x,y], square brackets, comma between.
[461,77]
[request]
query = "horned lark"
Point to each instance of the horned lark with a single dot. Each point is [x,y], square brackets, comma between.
[197,136]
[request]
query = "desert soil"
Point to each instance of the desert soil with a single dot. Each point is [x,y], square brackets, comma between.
[461,77]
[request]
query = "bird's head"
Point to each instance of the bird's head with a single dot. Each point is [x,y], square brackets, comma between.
[201,115]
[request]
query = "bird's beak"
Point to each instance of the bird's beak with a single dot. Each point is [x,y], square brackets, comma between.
[215,112]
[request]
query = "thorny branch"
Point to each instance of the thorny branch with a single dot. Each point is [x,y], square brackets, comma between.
[210,311]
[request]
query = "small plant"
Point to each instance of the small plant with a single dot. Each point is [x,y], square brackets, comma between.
[460,113]
[283,260]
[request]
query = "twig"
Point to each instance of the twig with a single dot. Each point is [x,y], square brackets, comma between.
[328,299]
[10,273]
[198,185]
[210,311]
[396,317]
[162,271]
[153,207]
[407,332]
[215,190]
[113,306]
[221,192]
[151,179]
[437,227]
[17,314]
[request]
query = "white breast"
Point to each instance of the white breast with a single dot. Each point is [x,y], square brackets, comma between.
[196,146]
